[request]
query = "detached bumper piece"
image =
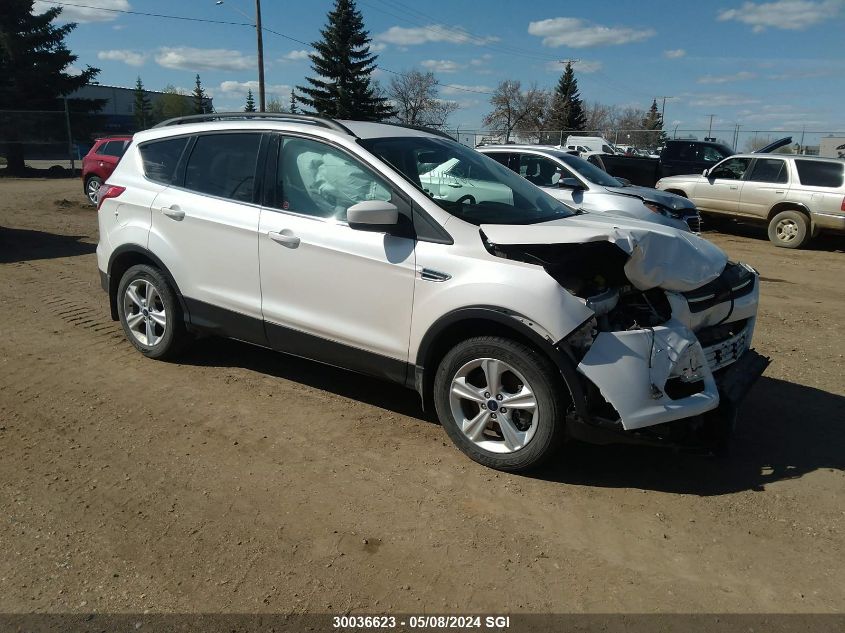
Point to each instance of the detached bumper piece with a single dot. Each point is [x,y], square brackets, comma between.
[736,381]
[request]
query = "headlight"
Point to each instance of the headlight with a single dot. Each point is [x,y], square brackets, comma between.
[664,211]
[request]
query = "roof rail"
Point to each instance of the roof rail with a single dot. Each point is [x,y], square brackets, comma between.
[276,116]
[421,128]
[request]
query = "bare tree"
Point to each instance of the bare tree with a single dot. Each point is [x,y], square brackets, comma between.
[515,109]
[414,97]
[274,105]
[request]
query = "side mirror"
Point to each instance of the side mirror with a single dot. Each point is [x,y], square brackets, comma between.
[570,183]
[373,215]
[705,173]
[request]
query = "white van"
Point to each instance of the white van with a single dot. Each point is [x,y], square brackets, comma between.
[593,144]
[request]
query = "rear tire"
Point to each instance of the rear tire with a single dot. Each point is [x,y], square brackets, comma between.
[150,313]
[789,229]
[501,402]
[92,188]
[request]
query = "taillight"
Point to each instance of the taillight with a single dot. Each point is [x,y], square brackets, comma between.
[106,192]
[843,204]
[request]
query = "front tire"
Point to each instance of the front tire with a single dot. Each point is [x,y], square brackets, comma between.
[789,229]
[501,402]
[92,189]
[150,313]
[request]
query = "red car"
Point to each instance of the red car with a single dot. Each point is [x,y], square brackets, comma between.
[100,162]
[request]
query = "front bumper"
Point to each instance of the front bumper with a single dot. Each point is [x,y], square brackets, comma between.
[674,371]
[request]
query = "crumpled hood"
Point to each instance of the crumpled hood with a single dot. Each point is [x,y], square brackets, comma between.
[670,200]
[658,256]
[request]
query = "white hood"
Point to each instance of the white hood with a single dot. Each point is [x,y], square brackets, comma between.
[659,256]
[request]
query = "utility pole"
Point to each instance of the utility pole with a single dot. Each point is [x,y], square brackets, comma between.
[259,31]
[569,61]
[710,129]
[663,108]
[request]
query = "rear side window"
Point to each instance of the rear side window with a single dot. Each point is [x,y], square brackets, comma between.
[223,165]
[769,170]
[816,173]
[503,158]
[112,148]
[160,158]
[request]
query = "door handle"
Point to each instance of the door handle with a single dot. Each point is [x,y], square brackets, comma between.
[734,187]
[173,212]
[779,191]
[285,238]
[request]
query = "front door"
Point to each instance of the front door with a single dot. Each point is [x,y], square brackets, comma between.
[719,190]
[329,292]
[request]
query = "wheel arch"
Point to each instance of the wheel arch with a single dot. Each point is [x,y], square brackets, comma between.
[788,206]
[128,255]
[473,321]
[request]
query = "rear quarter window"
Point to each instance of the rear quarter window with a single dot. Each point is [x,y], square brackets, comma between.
[819,173]
[160,158]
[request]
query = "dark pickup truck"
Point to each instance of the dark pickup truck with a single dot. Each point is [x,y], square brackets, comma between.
[677,157]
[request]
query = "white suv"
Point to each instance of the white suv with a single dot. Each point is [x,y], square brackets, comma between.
[520,320]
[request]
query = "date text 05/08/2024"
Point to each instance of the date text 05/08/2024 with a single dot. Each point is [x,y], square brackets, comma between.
[489,622]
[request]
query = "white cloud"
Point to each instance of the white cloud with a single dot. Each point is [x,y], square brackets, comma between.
[441,65]
[74,70]
[459,89]
[377,47]
[674,53]
[131,58]
[92,12]
[578,33]
[724,79]
[193,59]
[402,36]
[295,56]
[582,65]
[795,15]
[480,61]
[717,100]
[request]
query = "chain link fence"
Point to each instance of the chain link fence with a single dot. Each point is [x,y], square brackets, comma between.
[738,138]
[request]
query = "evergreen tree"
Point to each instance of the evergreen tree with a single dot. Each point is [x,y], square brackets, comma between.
[142,109]
[344,87]
[567,111]
[34,60]
[201,105]
[250,101]
[653,120]
[293,108]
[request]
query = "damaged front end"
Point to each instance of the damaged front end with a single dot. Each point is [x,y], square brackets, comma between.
[665,356]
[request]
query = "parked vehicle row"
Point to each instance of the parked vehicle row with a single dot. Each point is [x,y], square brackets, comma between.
[521,320]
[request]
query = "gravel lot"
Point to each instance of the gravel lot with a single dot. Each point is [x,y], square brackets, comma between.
[241,480]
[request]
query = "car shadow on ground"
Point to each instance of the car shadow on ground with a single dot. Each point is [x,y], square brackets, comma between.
[830,242]
[20,245]
[785,430]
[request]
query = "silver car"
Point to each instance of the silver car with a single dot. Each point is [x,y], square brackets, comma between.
[582,185]
[798,196]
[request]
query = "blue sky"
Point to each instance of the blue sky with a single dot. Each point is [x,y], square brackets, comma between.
[763,65]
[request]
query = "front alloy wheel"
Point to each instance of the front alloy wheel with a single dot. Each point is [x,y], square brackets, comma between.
[502,403]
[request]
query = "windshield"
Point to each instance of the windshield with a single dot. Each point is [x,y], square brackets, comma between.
[466,183]
[588,171]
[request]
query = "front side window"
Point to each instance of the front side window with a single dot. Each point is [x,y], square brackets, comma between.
[503,158]
[466,183]
[710,154]
[319,180]
[769,170]
[160,158]
[817,173]
[538,170]
[731,169]
[223,165]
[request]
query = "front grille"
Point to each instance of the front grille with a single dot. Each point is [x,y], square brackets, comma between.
[735,281]
[723,344]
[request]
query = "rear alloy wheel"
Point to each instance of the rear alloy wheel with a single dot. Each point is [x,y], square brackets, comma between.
[789,229]
[92,188]
[500,402]
[150,313]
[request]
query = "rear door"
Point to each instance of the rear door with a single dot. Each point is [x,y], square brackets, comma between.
[765,185]
[719,191]
[205,229]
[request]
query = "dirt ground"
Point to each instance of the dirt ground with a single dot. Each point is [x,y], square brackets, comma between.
[241,480]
